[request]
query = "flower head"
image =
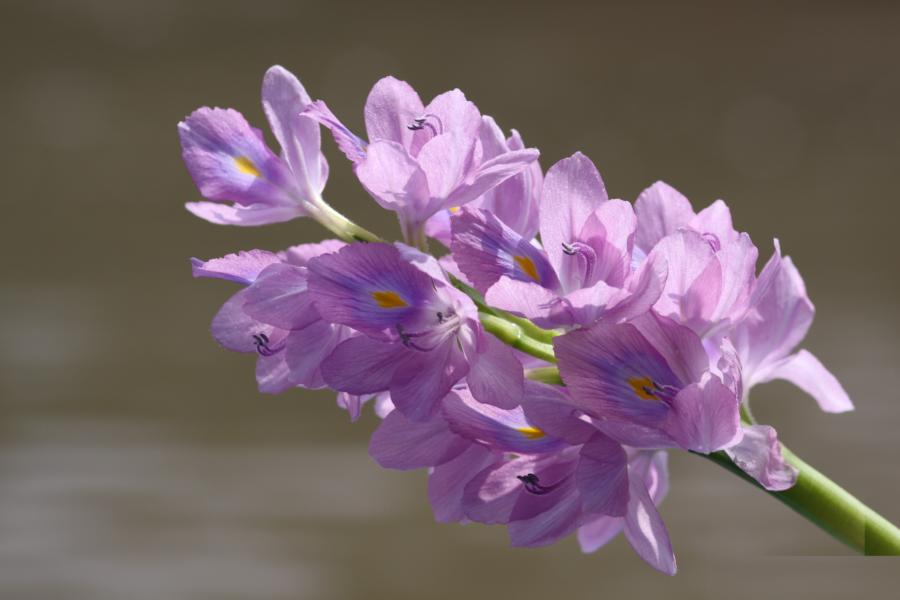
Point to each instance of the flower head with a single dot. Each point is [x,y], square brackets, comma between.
[230,161]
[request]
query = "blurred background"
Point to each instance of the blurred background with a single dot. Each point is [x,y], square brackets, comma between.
[137,459]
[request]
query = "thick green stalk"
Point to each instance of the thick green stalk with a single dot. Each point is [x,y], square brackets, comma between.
[831,507]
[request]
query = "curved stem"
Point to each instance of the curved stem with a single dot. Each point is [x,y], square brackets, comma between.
[826,504]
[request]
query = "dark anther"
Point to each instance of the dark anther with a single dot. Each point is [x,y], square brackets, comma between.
[417,124]
[532,483]
[261,341]
[440,317]
[568,249]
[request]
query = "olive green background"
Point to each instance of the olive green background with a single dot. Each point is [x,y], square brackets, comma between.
[137,459]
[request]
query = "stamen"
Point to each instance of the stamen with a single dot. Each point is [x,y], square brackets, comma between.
[532,484]
[417,124]
[568,249]
[422,122]
[261,341]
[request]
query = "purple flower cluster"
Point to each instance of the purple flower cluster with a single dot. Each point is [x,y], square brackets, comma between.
[659,321]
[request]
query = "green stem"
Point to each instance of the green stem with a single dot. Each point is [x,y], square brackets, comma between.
[545,375]
[831,507]
[512,335]
[528,328]
[340,225]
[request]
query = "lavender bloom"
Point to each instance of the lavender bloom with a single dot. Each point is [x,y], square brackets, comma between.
[779,315]
[585,269]
[420,159]
[711,266]
[516,201]
[649,384]
[540,470]
[273,316]
[418,336]
[230,162]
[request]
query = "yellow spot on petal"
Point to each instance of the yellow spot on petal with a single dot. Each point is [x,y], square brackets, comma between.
[532,433]
[644,387]
[247,166]
[527,266]
[454,209]
[389,300]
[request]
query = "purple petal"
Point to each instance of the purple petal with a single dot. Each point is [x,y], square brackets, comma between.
[524,299]
[307,349]
[780,315]
[661,210]
[495,374]
[491,495]
[242,267]
[353,147]
[705,417]
[369,287]
[759,455]
[490,174]
[279,297]
[234,329]
[805,371]
[602,476]
[445,159]
[486,250]
[572,191]
[645,530]
[273,375]
[399,443]
[505,430]
[229,161]
[284,98]
[245,216]
[391,107]
[395,180]
[599,532]
[447,483]
[558,521]
[301,254]
[715,219]
[549,408]
[422,379]
[613,372]
[362,365]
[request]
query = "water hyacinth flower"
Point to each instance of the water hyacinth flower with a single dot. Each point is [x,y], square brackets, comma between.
[230,162]
[420,160]
[496,466]
[418,336]
[273,316]
[649,384]
[711,267]
[584,269]
[661,325]
[515,202]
